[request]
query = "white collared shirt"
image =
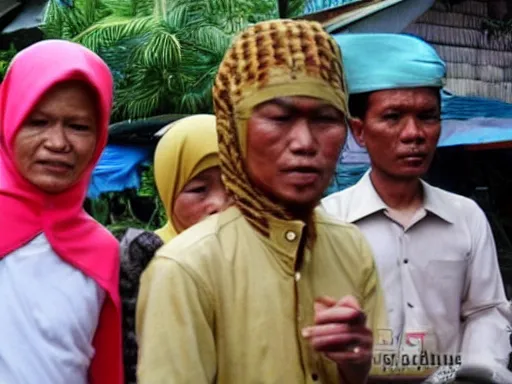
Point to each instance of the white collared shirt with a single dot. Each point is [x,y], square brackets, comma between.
[440,274]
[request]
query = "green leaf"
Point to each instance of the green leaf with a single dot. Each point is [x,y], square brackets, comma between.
[162,49]
[113,29]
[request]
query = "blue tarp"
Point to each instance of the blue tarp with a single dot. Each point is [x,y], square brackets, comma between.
[117,169]
[463,108]
[346,175]
[475,131]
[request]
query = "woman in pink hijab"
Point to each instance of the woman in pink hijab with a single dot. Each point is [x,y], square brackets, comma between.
[59,303]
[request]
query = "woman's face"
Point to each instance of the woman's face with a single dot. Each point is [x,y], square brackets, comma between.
[57,141]
[202,196]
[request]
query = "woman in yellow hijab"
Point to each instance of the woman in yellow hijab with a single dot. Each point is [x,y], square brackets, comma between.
[187,175]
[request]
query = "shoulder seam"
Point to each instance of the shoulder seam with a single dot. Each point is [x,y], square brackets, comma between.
[194,276]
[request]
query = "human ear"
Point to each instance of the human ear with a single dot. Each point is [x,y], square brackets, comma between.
[357,128]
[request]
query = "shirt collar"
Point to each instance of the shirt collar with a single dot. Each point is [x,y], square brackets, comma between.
[285,238]
[366,201]
[434,202]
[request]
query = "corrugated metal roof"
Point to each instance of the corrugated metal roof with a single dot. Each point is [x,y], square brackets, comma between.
[478,64]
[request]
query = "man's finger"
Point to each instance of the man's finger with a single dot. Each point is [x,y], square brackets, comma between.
[340,315]
[349,301]
[349,357]
[324,302]
[344,342]
[326,329]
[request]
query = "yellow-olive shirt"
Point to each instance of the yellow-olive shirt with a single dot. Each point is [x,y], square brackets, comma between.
[222,304]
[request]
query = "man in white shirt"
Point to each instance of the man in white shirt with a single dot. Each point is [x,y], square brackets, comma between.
[434,250]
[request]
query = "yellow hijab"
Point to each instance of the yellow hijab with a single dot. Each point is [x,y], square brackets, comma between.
[187,148]
[270,59]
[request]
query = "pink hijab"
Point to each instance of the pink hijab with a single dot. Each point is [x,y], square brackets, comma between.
[27,211]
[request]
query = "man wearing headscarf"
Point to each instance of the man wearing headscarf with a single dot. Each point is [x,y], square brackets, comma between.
[270,290]
[434,250]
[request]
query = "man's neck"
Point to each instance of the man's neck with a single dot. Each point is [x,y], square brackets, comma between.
[398,194]
[302,213]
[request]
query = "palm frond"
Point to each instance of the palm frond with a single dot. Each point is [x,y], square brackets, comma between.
[112,29]
[94,10]
[118,57]
[130,8]
[64,22]
[161,49]
[181,13]
[141,92]
[52,21]
[198,97]
[207,38]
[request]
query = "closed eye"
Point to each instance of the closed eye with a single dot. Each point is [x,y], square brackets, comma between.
[391,116]
[38,122]
[199,189]
[281,118]
[79,127]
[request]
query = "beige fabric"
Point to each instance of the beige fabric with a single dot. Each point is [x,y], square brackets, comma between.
[222,303]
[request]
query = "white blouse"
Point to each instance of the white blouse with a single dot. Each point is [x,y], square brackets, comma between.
[49,312]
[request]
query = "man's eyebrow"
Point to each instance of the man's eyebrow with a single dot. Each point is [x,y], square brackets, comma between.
[288,104]
[280,102]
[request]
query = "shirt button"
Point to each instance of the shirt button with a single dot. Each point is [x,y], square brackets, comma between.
[297,276]
[406,261]
[290,236]
[314,376]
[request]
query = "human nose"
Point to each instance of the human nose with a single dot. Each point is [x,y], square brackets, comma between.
[412,131]
[56,139]
[302,139]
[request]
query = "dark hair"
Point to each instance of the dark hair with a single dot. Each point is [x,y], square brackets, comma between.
[358,104]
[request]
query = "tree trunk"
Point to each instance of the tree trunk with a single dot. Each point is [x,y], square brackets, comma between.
[283,8]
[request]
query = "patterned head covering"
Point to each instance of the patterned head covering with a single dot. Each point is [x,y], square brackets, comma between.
[269,60]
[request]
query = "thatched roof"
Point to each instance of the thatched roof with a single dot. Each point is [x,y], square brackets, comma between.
[478,63]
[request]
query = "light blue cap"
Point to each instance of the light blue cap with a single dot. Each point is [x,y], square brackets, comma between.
[382,61]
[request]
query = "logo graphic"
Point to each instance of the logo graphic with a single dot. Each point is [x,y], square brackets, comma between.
[384,337]
[415,340]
